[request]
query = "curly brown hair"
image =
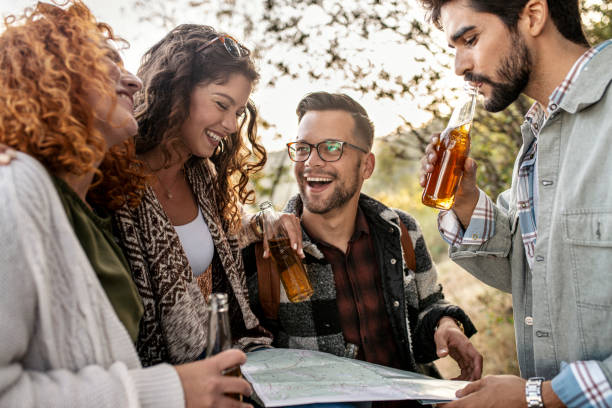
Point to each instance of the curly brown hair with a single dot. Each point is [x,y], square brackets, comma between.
[171,69]
[50,58]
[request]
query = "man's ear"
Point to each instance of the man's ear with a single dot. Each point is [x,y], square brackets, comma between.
[534,17]
[368,168]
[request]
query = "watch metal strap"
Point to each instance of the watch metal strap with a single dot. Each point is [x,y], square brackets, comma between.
[533,392]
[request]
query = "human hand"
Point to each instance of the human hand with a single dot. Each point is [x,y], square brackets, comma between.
[291,224]
[492,391]
[429,159]
[467,194]
[204,385]
[450,340]
[7,155]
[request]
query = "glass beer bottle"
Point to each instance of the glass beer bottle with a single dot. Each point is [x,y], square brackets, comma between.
[452,150]
[219,332]
[288,263]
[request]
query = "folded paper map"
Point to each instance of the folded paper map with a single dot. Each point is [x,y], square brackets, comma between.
[285,377]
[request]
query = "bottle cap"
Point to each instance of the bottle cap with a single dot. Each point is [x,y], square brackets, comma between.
[218,301]
[264,205]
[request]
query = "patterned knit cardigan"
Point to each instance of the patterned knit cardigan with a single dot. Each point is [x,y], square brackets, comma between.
[413,299]
[175,323]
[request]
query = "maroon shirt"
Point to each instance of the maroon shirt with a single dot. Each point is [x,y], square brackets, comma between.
[360,299]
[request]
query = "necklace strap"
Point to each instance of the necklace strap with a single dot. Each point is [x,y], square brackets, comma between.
[168,190]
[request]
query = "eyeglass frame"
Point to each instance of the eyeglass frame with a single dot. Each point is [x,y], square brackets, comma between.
[242,52]
[316,147]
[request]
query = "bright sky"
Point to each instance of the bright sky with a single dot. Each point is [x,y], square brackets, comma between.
[276,104]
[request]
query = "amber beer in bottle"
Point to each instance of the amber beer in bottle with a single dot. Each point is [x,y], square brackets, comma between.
[219,332]
[452,150]
[288,263]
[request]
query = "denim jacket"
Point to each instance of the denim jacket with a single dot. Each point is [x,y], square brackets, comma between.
[563,306]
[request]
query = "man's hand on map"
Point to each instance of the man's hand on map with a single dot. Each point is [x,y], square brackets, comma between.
[496,390]
[491,391]
[450,340]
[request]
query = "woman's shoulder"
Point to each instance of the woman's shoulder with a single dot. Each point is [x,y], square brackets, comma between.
[25,169]
[26,181]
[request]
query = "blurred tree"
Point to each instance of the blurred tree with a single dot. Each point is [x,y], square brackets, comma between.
[598,20]
[340,41]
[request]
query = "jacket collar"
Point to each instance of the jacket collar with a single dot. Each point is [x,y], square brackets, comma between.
[372,209]
[591,84]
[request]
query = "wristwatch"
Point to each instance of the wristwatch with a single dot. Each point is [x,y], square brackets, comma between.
[533,392]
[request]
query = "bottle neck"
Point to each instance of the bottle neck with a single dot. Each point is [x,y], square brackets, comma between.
[219,329]
[217,302]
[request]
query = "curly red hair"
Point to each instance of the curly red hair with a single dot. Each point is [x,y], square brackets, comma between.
[49,59]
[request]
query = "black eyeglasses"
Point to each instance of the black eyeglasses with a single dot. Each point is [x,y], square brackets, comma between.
[328,150]
[232,46]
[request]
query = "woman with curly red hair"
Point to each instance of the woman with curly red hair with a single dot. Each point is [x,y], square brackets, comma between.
[197,134]
[69,311]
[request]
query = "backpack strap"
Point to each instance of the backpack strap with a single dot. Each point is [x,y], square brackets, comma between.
[268,282]
[407,247]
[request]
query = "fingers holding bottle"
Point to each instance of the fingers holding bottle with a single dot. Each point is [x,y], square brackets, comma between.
[205,386]
[428,161]
[468,193]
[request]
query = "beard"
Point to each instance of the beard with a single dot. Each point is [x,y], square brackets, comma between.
[514,71]
[343,191]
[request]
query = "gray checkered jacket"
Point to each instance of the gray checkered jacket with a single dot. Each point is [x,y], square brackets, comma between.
[413,299]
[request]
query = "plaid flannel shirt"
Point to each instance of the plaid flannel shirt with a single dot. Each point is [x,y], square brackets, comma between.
[360,296]
[581,383]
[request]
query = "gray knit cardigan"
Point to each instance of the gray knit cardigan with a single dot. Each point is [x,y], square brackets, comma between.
[61,343]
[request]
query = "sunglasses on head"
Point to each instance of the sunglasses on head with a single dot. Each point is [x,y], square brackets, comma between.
[232,46]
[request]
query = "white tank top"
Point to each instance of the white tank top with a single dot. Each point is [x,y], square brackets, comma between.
[197,243]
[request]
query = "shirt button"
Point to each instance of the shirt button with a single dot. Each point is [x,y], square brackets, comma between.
[539,258]
[396,304]
[390,229]
[553,106]
[529,321]
[393,261]
[547,183]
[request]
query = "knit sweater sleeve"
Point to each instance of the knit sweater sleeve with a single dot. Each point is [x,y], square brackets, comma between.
[51,361]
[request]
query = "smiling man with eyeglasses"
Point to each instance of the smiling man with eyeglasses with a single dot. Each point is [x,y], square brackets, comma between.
[376,296]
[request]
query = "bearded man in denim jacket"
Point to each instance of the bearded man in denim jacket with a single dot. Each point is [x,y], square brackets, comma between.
[548,240]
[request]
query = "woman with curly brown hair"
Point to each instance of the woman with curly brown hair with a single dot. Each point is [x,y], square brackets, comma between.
[196,124]
[69,311]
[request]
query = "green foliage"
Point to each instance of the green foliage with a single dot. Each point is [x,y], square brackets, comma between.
[598,21]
